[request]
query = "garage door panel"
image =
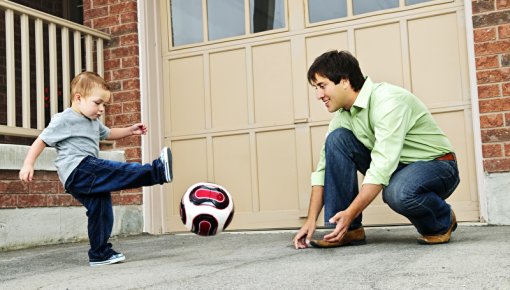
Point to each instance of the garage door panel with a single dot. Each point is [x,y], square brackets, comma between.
[186,90]
[384,63]
[453,125]
[436,71]
[277,172]
[318,134]
[229,97]
[272,84]
[189,158]
[232,169]
[315,46]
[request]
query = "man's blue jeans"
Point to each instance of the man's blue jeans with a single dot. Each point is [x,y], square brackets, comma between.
[416,191]
[92,182]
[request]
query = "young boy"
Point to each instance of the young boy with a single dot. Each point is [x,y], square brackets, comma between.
[75,133]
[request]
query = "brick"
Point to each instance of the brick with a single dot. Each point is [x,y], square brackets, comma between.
[115,86]
[491,19]
[489,91]
[127,199]
[491,121]
[507,119]
[96,12]
[494,105]
[128,39]
[111,64]
[127,96]
[9,175]
[502,4]
[50,187]
[124,29]
[126,119]
[485,34]
[126,6]
[108,21]
[129,141]
[98,3]
[507,149]
[485,62]
[133,153]
[129,17]
[60,200]
[494,47]
[131,107]
[131,84]
[7,200]
[32,200]
[13,187]
[125,73]
[114,109]
[131,61]
[505,60]
[504,31]
[493,76]
[492,150]
[497,165]
[480,6]
[124,51]
[505,88]
[496,135]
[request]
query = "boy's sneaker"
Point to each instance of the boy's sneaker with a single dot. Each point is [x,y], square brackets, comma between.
[115,258]
[166,159]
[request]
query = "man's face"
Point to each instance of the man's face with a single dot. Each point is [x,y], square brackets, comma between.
[333,96]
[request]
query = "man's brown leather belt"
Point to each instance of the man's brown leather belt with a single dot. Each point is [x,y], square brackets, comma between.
[448,156]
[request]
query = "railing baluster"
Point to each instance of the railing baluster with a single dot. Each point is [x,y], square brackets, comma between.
[10,69]
[25,70]
[77,52]
[52,32]
[39,72]
[89,65]
[64,34]
[100,57]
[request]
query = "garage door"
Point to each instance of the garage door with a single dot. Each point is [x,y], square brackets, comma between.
[239,112]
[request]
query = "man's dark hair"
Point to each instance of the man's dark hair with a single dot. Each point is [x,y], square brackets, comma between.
[336,66]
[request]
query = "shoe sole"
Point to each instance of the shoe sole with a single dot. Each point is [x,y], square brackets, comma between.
[167,156]
[107,262]
[351,243]
[424,242]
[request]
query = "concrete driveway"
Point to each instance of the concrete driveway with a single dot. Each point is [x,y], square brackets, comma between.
[478,257]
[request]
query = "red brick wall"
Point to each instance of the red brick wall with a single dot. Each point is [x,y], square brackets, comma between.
[491,23]
[119,19]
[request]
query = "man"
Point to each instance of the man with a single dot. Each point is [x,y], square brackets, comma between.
[387,134]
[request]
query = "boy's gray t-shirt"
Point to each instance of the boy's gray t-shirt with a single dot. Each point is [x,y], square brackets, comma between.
[75,137]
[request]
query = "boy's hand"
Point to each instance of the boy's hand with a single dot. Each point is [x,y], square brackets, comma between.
[138,129]
[26,173]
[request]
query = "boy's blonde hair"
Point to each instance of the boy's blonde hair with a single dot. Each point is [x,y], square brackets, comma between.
[85,81]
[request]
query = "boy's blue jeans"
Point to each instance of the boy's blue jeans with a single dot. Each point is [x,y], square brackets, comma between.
[416,191]
[92,182]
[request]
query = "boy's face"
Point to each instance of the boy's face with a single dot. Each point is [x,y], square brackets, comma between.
[93,105]
[333,96]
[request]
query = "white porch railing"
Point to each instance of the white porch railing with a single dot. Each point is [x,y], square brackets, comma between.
[53,25]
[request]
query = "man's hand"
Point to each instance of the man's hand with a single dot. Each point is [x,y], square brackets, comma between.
[303,237]
[343,220]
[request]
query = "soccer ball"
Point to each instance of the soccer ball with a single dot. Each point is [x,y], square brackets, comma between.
[206,209]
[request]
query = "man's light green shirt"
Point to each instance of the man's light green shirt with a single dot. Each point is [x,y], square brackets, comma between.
[394,125]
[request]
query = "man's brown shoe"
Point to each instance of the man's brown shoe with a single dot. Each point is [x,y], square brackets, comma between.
[440,239]
[353,237]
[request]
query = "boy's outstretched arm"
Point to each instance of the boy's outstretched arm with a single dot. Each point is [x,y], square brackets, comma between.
[118,133]
[27,171]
